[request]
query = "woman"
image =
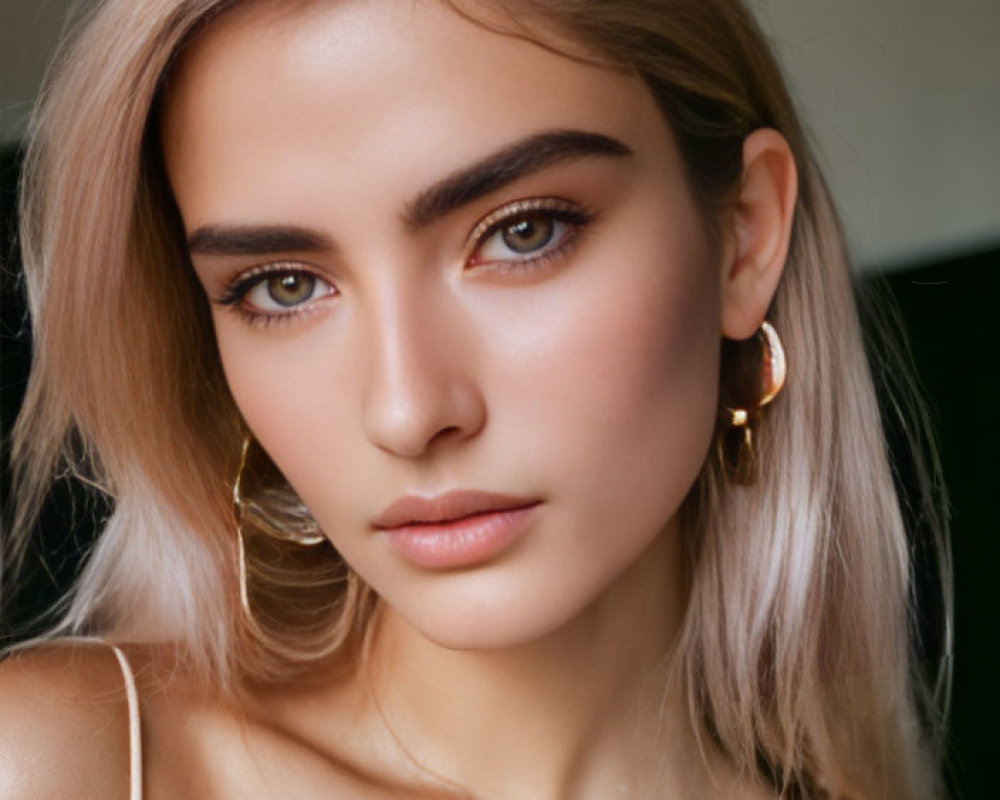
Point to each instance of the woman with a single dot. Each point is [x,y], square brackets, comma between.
[434,356]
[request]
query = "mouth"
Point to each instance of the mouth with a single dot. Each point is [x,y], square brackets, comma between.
[456,529]
[454,506]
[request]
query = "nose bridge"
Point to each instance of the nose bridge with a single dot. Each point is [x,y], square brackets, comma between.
[421,384]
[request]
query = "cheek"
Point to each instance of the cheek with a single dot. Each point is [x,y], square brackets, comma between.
[618,410]
[624,391]
[650,378]
[287,387]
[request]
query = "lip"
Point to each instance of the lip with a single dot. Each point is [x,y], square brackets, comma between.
[455,529]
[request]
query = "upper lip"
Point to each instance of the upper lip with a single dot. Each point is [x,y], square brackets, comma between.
[447,507]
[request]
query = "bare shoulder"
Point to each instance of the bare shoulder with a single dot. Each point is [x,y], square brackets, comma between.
[727,782]
[64,729]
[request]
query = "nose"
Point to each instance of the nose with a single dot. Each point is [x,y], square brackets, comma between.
[422,389]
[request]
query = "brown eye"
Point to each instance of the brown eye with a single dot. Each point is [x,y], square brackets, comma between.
[291,289]
[283,292]
[528,234]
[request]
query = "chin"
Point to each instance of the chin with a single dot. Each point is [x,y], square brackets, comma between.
[506,634]
[484,620]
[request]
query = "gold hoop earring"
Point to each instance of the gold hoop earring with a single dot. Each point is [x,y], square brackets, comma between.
[291,524]
[735,447]
[304,535]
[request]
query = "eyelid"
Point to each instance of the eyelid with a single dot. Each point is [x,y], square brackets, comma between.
[269,268]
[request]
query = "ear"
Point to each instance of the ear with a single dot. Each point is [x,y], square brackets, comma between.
[761,232]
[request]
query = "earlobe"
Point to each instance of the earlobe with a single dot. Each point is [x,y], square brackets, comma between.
[762,229]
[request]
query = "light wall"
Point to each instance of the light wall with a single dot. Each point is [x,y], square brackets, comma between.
[902,97]
[903,100]
[29,30]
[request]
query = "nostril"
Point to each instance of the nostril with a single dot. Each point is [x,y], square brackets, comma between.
[445,433]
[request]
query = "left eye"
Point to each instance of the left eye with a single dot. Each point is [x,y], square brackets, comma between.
[285,291]
[528,235]
[523,238]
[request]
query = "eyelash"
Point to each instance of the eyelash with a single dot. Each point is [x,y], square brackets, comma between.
[556,210]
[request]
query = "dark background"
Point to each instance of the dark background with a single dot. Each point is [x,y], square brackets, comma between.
[950,309]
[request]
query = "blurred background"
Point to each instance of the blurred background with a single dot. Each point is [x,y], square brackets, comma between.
[902,99]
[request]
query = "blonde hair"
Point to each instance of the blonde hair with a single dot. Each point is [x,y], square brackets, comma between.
[795,655]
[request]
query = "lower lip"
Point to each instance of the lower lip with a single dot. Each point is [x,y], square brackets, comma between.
[466,542]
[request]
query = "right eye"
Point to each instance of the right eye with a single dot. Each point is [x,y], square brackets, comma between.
[286,291]
[275,292]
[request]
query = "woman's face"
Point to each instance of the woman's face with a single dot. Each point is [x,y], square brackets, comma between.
[445,262]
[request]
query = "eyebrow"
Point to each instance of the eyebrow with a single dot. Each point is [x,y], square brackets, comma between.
[515,161]
[250,240]
[495,171]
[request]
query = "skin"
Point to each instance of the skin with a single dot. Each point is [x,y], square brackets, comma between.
[427,361]
[423,374]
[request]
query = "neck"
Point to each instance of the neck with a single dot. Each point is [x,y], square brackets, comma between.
[582,712]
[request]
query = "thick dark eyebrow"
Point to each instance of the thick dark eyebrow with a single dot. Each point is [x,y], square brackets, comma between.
[505,166]
[252,240]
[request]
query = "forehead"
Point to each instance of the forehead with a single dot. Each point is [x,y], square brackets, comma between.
[332,91]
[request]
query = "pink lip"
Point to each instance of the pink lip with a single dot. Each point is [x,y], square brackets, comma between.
[456,529]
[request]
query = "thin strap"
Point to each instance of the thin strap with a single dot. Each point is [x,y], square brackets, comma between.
[134,727]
